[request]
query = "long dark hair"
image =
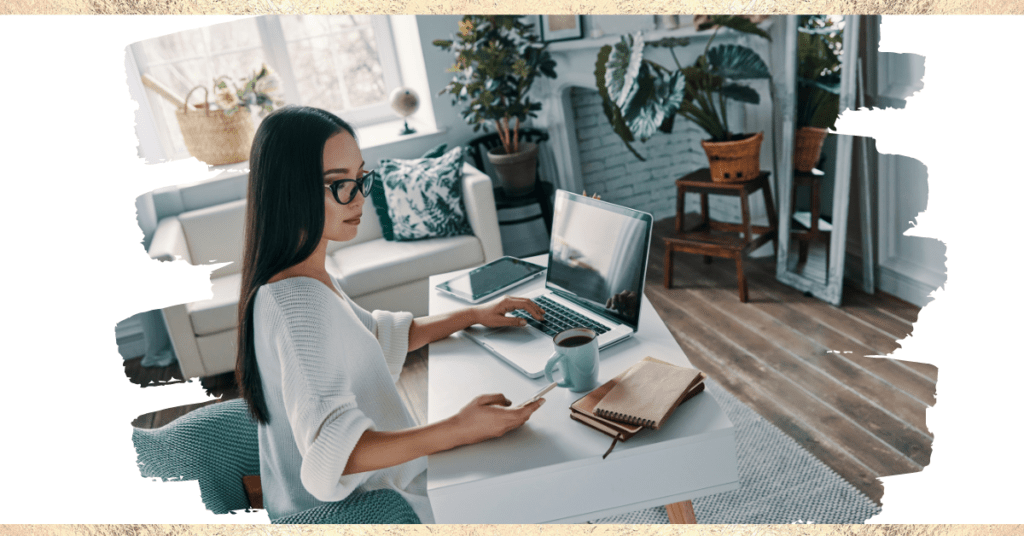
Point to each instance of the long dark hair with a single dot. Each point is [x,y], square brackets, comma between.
[284,219]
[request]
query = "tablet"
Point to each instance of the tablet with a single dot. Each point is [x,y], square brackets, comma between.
[491,279]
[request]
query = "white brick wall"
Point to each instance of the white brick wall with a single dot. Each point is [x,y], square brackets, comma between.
[610,170]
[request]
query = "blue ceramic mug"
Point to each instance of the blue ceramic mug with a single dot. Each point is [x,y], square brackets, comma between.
[576,357]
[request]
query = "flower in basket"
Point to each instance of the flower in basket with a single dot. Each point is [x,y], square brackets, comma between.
[262,90]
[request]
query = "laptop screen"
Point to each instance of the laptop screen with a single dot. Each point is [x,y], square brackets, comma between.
[598,255]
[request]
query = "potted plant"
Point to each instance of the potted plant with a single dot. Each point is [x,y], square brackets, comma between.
[641,97]
[497,59]
[819,45]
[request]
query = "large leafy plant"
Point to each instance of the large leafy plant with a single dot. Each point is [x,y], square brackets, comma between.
[497,59]
[641,97]
[819,49]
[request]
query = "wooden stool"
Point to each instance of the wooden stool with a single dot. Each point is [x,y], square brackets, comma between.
[719,239]
[813,234]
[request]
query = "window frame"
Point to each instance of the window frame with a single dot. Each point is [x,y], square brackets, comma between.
[275,50]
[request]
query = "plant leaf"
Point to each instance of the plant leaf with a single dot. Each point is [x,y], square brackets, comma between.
[611,111]
[820,84]
[622,70]
[642,94]
[741,93]
[737,62]
[735,22]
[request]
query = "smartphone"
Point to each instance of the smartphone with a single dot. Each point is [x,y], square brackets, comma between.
[537,396]
[491,279]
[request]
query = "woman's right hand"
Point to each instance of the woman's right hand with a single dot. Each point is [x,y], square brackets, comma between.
[489,416]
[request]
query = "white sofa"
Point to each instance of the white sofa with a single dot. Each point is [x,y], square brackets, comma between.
[376,273]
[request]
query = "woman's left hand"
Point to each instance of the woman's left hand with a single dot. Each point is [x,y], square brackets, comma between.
[492,314]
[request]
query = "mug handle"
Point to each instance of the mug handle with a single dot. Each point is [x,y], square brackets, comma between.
[549,369]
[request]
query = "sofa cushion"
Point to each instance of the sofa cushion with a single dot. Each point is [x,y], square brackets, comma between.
[220,312]
[379,264]
[424,196]
[216,234]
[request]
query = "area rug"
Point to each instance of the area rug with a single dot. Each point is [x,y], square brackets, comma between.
[780,482]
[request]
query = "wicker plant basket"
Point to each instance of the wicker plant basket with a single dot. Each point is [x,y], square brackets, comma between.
[807,147]
[734,161]
[213,136]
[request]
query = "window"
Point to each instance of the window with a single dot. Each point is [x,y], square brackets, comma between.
[342,63]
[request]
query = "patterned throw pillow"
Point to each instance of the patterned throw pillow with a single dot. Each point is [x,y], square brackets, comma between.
[380,200]
[424,196]
[380,205]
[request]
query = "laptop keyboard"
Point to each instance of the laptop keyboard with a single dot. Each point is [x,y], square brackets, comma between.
[558,318]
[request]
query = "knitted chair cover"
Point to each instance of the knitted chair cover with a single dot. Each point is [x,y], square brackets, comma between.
[215,444]
[377,506]
[218,445]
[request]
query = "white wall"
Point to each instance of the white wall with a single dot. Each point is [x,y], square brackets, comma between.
[908,267]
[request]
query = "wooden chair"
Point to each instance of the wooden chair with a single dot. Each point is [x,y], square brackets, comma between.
[719,239]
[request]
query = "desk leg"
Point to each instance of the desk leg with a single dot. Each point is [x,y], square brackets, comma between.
[681,513]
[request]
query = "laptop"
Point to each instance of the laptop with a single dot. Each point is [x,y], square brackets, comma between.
[595,278]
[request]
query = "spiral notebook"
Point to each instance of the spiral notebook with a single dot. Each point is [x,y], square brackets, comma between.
[648,393]
[582,410]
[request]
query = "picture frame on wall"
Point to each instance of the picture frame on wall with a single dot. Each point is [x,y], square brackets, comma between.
[560,27]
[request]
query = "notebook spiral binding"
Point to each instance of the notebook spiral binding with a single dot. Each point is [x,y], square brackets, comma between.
[622,417]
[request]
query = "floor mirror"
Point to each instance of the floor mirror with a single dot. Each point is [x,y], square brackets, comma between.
[813,206]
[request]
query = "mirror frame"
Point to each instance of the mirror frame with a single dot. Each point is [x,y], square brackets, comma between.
[831,290]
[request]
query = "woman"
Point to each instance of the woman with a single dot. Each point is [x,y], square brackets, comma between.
[317,370]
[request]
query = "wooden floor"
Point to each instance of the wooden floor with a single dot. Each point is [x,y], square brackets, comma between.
[799,362]
[803,364]
[218,388]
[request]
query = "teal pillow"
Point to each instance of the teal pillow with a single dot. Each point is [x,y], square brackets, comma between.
[424,196]
[436,152]
[380,205]
[380,201]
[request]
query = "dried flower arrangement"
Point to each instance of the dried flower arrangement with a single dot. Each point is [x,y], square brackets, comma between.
[261,90]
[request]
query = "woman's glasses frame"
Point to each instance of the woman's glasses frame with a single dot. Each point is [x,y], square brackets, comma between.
[363,184]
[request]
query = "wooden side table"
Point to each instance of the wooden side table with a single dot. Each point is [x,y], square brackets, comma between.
[720,239]
[813,234]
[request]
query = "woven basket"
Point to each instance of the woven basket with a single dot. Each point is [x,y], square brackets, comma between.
[734,161]
[807,147]
[213,136]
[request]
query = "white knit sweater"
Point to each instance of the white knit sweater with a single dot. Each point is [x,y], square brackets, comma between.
[328,369]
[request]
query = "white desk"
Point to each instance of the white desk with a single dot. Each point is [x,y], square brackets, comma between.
[550,470]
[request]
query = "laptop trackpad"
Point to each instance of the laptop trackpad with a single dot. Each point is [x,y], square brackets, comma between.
[516,336]
[528,348]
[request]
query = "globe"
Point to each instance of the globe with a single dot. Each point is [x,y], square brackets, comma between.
[404,101]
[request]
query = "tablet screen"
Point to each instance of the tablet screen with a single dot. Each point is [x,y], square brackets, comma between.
[491,278]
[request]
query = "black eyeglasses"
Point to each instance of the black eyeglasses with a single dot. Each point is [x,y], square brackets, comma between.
[344,190]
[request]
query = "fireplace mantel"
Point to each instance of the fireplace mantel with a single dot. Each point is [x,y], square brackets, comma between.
[685,31]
